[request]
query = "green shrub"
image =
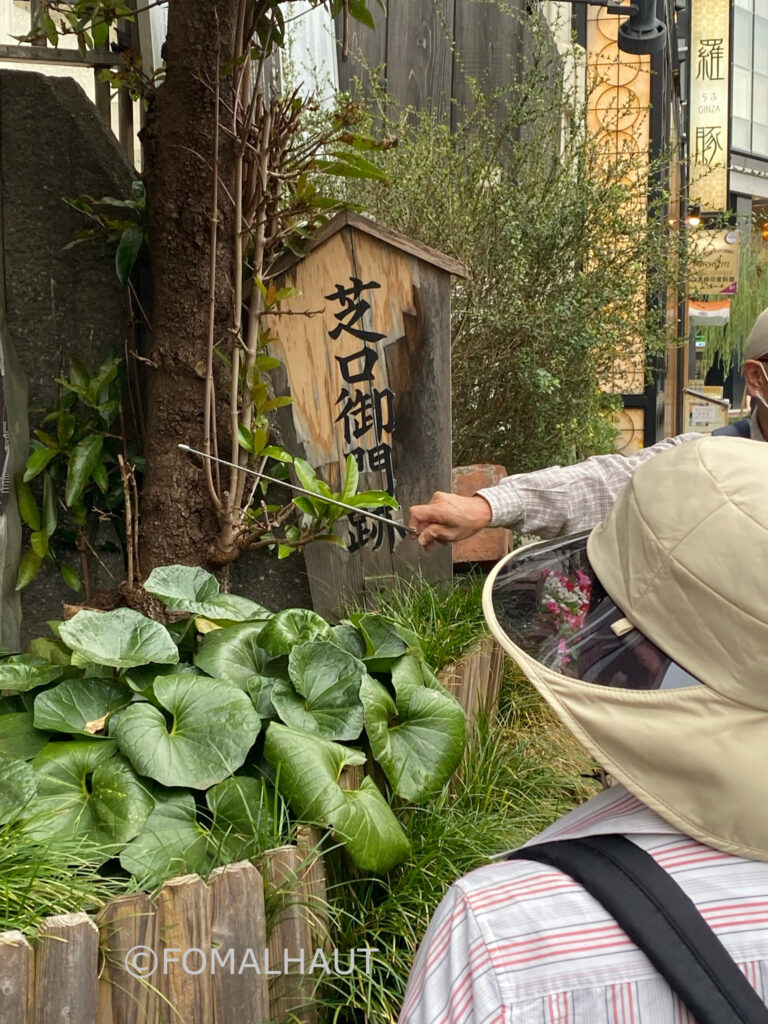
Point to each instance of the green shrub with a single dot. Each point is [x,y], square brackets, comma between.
[561,246]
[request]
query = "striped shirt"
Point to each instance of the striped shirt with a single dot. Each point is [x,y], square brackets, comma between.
[518,942]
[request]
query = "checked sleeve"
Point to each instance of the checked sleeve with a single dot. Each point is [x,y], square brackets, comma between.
[567,499]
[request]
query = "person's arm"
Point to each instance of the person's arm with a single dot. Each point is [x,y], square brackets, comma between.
[548,503]
[451,981]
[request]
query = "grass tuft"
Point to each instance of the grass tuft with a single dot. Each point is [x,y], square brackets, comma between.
[448,617]
[40,879]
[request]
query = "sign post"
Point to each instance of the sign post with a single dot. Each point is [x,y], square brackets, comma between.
[708,124]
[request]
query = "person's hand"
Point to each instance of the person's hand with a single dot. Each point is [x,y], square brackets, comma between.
[449,517]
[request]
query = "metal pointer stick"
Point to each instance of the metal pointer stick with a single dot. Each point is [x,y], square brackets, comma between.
[302,490]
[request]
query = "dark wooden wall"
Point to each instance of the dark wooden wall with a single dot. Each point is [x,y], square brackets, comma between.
[427,49]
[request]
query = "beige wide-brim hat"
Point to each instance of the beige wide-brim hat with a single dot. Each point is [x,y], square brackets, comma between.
[757,342]
[649,637]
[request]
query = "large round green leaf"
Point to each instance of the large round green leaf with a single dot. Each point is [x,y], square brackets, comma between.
[180,585]
[142,677]
[386,641]
[121,638]
[22,672]
[80,705]
[416,672]
[233,654]
[86,788]
[214,727]
[371,833]
[18,784]
[231,608]
[262,687]
[289,628]
[418,738]
[52,651]
[308,769]
[327,695]
[186,588]
[349,639]
[19,739]
[170,843]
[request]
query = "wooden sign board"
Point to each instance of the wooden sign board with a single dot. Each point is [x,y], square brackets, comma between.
[369,370]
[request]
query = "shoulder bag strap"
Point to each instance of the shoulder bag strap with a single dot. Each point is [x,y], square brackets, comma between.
[661,920]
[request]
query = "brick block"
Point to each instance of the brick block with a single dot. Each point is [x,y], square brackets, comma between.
[488,545]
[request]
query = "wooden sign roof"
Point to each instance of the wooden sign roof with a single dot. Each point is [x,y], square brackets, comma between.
[353,220]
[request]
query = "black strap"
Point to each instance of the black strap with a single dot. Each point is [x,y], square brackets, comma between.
[661,920]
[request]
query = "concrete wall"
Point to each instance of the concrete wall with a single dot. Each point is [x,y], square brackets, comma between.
[57,302]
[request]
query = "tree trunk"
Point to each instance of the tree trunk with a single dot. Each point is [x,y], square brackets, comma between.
[178,520]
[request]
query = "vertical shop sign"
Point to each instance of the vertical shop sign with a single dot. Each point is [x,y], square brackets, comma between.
[709,103]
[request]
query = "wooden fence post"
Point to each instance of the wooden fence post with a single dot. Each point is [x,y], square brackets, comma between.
[183,944]
[239,925]
[475,679]
[313,882]
[17,979]
[67,970]
[127,987]
[291,987]
[198,954]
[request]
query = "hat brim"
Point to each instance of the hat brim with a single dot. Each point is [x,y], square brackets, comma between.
[689,753]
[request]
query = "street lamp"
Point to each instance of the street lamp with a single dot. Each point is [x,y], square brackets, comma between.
[642,32]
[693,220]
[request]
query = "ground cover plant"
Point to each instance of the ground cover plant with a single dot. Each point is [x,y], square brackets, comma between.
[448,617]
[179,747]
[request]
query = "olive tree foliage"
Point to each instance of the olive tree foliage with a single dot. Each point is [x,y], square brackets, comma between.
[562,245]
[231,166]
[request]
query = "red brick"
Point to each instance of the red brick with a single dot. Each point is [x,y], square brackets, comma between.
[488,545]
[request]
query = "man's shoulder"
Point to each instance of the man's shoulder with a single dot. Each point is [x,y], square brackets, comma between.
[542,930]
[741,428]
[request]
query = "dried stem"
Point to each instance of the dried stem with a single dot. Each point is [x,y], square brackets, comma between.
[82,545]
[129,526]
[252,339]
